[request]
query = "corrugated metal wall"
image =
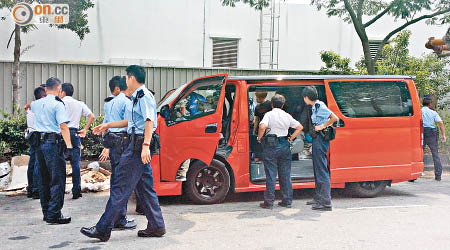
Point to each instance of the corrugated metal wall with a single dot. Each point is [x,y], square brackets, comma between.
[91,81]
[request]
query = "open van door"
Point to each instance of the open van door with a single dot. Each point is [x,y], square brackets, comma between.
[192,127]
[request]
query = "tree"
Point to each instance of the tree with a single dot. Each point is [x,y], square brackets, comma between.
[78,23]
[432,73]
[335,64]
[408,12]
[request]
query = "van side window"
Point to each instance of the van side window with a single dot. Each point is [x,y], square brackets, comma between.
[372,99]
[198,101]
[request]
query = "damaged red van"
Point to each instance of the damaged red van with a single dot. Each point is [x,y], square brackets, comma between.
[205,128]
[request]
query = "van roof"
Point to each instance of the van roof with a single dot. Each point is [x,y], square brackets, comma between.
[314,77]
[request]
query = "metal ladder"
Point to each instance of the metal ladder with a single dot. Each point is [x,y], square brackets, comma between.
[269,34]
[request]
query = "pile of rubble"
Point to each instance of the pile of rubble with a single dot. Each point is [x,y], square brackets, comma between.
[13,178]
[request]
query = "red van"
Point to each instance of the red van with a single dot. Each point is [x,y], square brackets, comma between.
[206,125]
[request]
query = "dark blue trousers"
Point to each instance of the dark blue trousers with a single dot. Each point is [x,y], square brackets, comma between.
[75,162]
[131,174]
[321,172]
[114,157]
[52,172]
[430,138]
[278,160]
[33,172]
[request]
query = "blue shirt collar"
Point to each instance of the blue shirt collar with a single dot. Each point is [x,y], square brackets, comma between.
[135,92]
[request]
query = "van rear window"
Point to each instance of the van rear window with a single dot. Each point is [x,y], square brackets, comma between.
[372,99]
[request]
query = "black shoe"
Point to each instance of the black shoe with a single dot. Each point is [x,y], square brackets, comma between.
[76,196]
[312,202]
[35,196]
[321,207]
[29,195]
[438,178]
[282,204]
[92,232]
[265,205]
[152,232]
[61,220]
[130,225]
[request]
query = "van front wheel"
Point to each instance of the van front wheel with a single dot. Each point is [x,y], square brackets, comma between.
[207,184]
[366,189]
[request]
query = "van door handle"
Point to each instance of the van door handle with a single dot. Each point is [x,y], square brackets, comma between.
[211,128]
[339,123]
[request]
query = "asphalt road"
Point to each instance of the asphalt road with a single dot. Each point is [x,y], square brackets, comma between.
[406,216]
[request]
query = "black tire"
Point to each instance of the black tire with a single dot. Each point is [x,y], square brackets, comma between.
[366,189]
[207,184]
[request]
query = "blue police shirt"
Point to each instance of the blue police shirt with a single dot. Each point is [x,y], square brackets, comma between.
[430,117]
[106,109]
[115,110]
[320,113]
[49,114]
[141,110]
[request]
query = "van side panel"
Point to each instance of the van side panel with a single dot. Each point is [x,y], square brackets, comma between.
[374,148]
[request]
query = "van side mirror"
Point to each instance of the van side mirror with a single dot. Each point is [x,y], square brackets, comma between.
[164,111]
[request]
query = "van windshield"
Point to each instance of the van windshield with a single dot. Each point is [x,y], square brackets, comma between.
[169,98]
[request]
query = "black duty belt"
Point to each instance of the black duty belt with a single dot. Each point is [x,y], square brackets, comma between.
[50,136]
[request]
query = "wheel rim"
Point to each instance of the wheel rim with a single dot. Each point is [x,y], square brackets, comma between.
[370,185]
[208,182]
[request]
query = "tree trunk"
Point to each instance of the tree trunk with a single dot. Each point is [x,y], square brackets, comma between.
[370,63]
[16,69]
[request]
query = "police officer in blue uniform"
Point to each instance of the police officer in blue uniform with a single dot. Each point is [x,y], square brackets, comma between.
[321,118]
[430,134]
[114,109]
[32,136]
[51,122]
[134,170]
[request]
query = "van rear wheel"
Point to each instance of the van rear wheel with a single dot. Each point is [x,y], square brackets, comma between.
[366,189]
[207,184]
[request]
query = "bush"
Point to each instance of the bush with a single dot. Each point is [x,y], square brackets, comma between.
[12,134]
[92,144]
[12,137]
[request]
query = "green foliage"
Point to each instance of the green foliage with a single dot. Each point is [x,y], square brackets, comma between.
[432,73]
[78,19]
[445,147]
[398,9]
[12,134]
[335,64]
[257,4]
[92,144]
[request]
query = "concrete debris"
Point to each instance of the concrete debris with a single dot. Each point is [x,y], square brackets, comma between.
[19,167]
[95,181]
[4,175]
[93,166]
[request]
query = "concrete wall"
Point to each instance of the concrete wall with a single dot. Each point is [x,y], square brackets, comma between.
[170,33]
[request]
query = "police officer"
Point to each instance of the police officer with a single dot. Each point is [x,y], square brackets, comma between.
[51,122]
[430,134]
[134,170]
[31,135]
[75,109]
[114,109]
[321,118]
[276,151]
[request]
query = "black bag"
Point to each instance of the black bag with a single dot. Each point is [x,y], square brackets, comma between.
[269,141]
[328,133]
[155,144]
